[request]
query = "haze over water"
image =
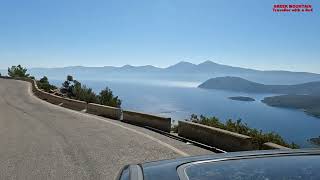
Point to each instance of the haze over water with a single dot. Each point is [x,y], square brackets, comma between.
[180,99]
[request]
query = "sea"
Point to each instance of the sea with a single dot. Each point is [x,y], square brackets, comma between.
[180,99]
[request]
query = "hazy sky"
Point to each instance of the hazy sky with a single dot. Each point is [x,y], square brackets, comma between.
[56,33]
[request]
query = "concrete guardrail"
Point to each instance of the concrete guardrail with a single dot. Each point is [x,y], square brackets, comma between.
[270,145]
[105,111]
[54,99]
[48,97]
[141,119]
[222,139]
[73,104]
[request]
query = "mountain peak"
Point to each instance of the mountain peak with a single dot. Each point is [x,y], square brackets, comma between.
[184,63]
[148,66]
[127,66]
[181,66]
[208,62]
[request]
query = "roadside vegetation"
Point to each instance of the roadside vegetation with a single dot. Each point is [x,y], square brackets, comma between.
[44,84]
[21,72]
[75,90]
[70,88]
[18,71]
[238,126]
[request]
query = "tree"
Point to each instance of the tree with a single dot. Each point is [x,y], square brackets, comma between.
[89,95]
[74,89]
[44,80]
[44,84]
[106,98]
[67,87]
[82,93]
[17,71]
[77,90]
[69,78]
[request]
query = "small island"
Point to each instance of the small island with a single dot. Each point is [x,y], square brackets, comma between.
[242,98]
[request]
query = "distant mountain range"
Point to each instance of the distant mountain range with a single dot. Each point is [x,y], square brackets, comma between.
[184,71]
[243,85]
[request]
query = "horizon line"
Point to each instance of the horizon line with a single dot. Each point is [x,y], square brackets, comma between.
[183,61]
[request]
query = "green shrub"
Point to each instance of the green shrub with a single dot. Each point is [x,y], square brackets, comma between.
[238,126]
[44,84]
[67,86]
[107,98]
[82,93]
[17,71]
[74,89]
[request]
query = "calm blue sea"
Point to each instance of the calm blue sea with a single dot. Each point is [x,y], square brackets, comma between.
[178,100]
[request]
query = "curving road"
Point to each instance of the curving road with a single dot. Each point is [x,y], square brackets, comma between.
[39,140]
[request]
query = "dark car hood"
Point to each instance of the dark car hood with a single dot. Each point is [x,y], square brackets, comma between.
[167,169]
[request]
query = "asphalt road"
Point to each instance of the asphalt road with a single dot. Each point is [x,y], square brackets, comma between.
[39,140]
